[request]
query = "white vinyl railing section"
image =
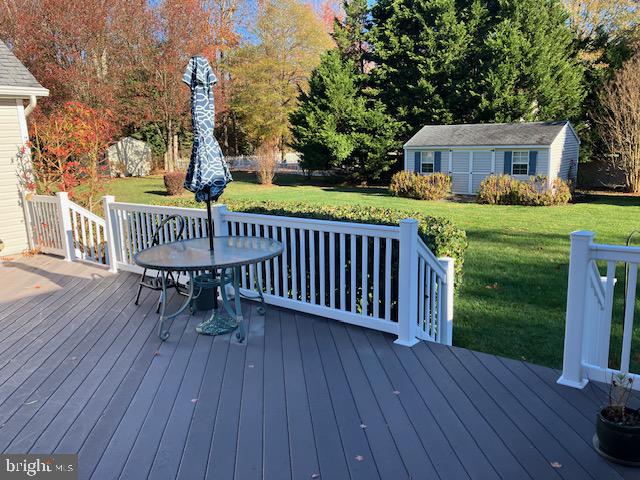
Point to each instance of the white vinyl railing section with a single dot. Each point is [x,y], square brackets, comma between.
[60,226]
[590,306]
[376,276]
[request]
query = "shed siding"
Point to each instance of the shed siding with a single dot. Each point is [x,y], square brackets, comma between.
[564,152]
[481,164]
[12,227]
[542,161]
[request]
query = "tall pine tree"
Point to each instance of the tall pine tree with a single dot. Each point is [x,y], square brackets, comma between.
[351,35]
[336,127]
[531,70]
[466,61]
[426,57]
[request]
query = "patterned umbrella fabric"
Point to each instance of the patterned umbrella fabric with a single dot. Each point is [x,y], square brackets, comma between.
[208,173]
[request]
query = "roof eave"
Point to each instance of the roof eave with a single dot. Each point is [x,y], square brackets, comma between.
[482,145]
[8,91]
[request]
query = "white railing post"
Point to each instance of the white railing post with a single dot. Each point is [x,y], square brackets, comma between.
[24,196]
[572,371]
[65,226]
[408,281]
[446,322]
[220,227]
[112,259]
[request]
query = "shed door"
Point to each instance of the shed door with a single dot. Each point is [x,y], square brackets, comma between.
[481,166]
[461,171]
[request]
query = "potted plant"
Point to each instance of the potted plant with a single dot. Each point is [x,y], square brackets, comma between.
[617,425]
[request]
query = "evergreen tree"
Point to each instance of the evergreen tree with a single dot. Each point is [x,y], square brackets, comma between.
[351,36]
[532,71]
[426,57]
[336,127]
[465,61]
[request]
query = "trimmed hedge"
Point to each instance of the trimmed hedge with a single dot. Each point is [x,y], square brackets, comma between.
[434,186]
[506,190]
[440,235]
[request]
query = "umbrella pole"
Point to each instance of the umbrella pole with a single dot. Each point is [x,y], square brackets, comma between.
[209,224]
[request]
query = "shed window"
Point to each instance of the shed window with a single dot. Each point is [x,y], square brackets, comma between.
[427,163]
[520,163]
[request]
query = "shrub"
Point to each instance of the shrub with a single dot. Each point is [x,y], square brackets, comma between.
[174,182]
[506,190]
[434,186]
[440,235]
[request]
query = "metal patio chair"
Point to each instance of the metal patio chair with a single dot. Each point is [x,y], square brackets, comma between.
[155,283]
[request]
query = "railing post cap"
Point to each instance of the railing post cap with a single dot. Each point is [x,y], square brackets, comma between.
[409,221]
[109,198]
[582,234]
[62,194]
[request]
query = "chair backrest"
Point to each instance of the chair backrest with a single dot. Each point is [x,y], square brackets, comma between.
[175,222]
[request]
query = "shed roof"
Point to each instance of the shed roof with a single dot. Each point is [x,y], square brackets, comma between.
[15,78]
[487,134]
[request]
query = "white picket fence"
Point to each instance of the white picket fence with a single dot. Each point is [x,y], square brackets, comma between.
[375,276]
[590,308]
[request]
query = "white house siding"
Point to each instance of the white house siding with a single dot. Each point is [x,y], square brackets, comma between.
[565,150]
[12,228]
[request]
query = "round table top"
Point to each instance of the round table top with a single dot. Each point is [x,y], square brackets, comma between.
[194,254]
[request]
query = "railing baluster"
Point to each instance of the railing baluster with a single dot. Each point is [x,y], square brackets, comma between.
[376,277]
[630,305]
[312,266]
[432,306]
[332,270]
[387,279]
[285,266]
[294,264]
[268,263]
[303,266]
[92,245]
[276,264]
[343,286]
[353,270]
[322,266]
[252,268]
[423,326]
[365,281]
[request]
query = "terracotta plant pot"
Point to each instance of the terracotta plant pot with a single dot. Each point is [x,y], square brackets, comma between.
[619,442]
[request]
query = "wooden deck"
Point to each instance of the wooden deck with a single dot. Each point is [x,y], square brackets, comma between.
[81,370]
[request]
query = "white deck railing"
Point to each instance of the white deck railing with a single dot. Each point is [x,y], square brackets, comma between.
[376,276]
[60,226]
[590,307]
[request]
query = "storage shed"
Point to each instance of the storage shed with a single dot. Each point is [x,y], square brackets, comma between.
[16,85]
[471,152]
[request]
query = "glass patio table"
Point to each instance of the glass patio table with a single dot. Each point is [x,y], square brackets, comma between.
[229,255]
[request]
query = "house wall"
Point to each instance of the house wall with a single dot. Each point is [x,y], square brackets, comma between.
[12,136]
[484,163]
[565,151]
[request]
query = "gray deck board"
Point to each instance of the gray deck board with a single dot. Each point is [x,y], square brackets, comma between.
[82,370]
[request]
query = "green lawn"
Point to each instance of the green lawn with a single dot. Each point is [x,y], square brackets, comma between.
[513,299]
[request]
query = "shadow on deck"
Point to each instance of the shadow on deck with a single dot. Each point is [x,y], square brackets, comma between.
[81,370]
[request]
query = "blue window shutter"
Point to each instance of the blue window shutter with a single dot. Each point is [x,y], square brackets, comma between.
[437,162]
[533,160]
[417,166]
[507,163]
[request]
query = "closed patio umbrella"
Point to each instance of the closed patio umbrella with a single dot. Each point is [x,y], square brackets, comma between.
[208,173]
